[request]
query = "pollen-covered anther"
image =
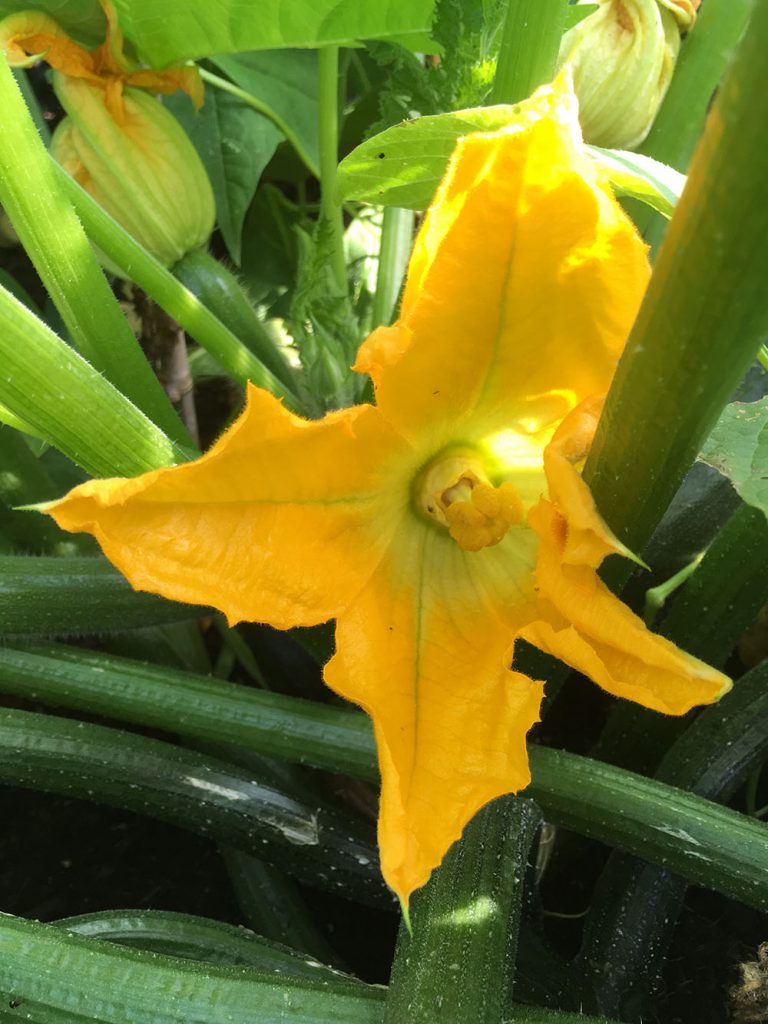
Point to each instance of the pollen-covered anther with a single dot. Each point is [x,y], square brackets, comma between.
[483,518]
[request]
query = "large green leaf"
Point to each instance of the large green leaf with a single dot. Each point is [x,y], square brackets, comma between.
[83,19]
[167,31]
[403,165]
[235,143]
[284,84]
[738,447]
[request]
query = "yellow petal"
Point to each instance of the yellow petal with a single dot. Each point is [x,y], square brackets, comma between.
[185,78]
[587,539]
[519,219]
[33,33]
[589,628]
[279,522]
[426,649]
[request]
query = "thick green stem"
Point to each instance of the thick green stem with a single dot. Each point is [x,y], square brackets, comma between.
[81,596]
[328,113]
[636,904]
[529,48]
[458,961]
[314,841]
[396,242]
[56,977]
[704,314]
[195,938]
[707,844]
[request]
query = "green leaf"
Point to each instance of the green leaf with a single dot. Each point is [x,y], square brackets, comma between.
[638,176]
[235,144]
[284,85]
[168,31]
[82,19]
[738,448]
[403,165]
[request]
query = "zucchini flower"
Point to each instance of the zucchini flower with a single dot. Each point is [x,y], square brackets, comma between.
[449,520]
[118,142]
[623,56]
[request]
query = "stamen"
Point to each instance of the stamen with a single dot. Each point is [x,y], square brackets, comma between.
[455,492]
[484,519]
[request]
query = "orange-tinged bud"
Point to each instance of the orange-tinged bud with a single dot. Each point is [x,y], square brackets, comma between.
[138,163]
[623,56]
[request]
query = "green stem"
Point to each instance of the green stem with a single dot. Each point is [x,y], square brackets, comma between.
[636,905]
[704,315]
[220,292]
[43,596]
[61,978]
[195,938]
[328,114]
[704,57]
[42,216]
[656,597]
[458,959]
[263,108]
[707,844]
[316,843]
[529,48]
[707,617]
[201,323]
[195,706]
[272,904]
[396,242]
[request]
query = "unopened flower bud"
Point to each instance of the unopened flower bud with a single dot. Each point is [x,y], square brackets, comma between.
[623,56]
[139,165]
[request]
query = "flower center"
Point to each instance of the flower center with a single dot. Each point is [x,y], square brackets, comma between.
[454,491]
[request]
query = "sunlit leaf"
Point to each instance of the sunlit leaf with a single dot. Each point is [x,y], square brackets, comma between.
[638,176]
[403,165]
[166,31]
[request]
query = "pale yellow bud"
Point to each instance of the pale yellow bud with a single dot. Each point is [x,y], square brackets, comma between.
[135,159]
[623,56]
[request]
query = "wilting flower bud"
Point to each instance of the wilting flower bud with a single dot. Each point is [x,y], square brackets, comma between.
[138,164]
[622,57]
[119,143]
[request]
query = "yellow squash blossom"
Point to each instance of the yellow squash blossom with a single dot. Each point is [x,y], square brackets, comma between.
[118,142]
[449,520]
